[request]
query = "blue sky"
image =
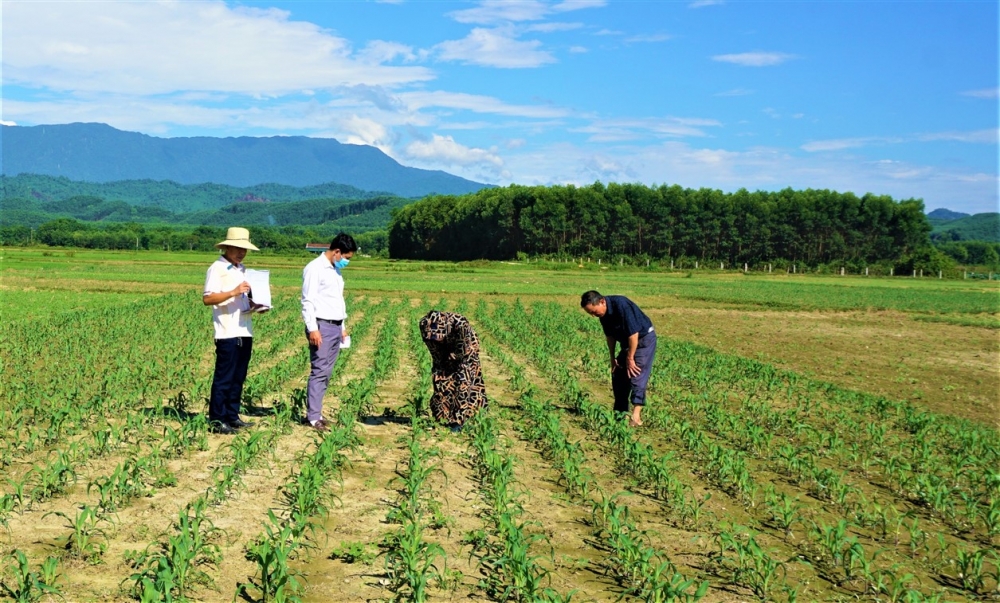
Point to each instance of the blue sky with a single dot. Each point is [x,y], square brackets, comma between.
[897,98]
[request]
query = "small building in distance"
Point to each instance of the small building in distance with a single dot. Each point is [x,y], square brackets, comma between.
[317,247]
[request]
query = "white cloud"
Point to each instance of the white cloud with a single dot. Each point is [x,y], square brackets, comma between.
[361,130]
[7,123]
[983,93]
[608,32]
[839,144]
[134,114]
[569,5]
[444,150]
[169,116]
[618,130]
[578,49]
[376,96]
[989,136]
[494,48]
[553,26]
[735,92]
[703,3]
[910,174]
[492,12]
[754,59]
[379,51]
[478,103]
[166,47]
[647,38]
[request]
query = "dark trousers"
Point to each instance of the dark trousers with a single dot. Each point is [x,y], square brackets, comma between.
[232,357]
[633,389]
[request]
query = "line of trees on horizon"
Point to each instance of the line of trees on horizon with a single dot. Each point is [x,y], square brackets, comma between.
[812,227]
[67,232]
[629,223]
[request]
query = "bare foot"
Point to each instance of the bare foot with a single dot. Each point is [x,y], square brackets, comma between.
[633,422]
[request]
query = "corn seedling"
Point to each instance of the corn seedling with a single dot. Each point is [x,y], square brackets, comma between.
[27,585]
[88,538]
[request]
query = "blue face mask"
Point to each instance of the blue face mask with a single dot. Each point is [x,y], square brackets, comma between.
[342,263]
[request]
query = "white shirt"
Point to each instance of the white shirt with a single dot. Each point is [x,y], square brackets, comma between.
[322,293]
[231,318]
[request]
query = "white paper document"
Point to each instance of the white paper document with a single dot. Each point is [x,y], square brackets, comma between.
[260,286]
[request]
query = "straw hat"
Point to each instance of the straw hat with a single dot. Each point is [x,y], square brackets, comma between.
[237,237]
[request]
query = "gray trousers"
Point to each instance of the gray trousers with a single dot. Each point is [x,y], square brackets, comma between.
[322,358]
[633,389]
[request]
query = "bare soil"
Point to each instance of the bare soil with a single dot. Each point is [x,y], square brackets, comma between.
[949,369]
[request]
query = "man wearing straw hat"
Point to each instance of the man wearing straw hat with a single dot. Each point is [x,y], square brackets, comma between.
[228,292]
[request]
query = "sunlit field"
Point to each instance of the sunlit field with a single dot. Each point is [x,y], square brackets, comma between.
[808,438]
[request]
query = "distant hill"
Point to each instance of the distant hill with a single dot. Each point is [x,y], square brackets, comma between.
[942,215]
[978,227]
[168,195]
[99,153]
[33,200]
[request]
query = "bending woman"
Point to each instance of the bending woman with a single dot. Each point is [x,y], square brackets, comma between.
[459,391]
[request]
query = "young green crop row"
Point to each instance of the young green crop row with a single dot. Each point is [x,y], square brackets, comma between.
[728,468]
[643,571]
[816,434]
[171,565]
[78,434]
[724,463]
[306,495]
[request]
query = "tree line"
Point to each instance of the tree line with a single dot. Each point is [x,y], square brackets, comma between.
[809,226]
[67,232]
[972,253]
[616,222]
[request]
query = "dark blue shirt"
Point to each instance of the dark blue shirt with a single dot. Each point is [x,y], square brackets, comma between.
[623,319]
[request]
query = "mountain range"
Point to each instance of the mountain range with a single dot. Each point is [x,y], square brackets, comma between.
[94,152]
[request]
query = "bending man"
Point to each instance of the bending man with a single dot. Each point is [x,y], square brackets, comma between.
[624,323]
[459,391]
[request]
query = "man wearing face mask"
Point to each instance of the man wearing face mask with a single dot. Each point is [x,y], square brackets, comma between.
[324,312]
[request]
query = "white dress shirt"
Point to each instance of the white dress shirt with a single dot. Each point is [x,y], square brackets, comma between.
[322,293]
[231,318]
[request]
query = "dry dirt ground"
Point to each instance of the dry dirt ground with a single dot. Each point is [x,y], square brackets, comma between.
[949,369]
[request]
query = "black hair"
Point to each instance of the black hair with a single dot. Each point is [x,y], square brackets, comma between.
[344,243]
[590,298]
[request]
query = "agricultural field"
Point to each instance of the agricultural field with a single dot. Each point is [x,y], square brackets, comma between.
[807,439]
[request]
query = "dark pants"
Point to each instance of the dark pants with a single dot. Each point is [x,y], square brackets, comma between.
[322,359]
[633,389]
[232,357]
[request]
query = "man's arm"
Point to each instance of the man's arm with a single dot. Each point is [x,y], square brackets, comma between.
[611,350]
[310,289]
[214,295]
[214,299]
[630,366]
